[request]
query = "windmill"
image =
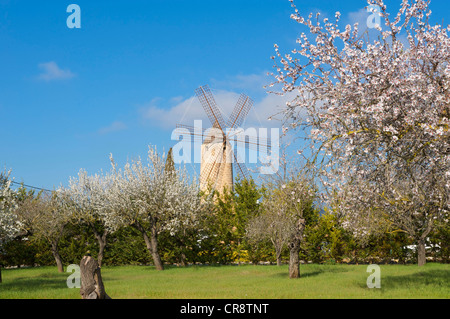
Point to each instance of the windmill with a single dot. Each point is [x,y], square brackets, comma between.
[217,154]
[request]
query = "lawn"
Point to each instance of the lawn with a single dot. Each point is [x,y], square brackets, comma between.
[230,282]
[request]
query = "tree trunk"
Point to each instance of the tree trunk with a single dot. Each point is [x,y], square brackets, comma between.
[421,255]
[278,254]
[91,280]
[101,239]
[294,262]
[278,260]
[294,250]
[57,257]
[182,256]
[183,259]
[101,252]
[0,274]
[278,249]
[152,245]
[155,253]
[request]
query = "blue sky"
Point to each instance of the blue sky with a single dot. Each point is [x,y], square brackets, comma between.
[69,97]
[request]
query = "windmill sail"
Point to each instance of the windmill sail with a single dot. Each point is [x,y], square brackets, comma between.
[240,111]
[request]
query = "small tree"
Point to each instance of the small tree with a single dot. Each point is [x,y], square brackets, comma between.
[288,206]
[9,223]
[296,201]
[151,199]
[87,197]
[46,216]
[271,225]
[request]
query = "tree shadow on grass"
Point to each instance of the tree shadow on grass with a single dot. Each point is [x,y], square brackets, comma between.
[427,279]
[33,284]
[285,274]
[432,277]
[305,273]
[45,281]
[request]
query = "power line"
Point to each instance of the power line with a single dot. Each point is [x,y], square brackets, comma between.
[29,186]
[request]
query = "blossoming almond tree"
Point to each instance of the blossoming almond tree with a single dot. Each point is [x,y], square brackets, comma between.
[9,223]
[378,113]
[152,199]
[88,200]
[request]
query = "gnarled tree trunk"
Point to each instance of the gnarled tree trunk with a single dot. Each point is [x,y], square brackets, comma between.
[91,280]
[278,249]
[155,252]
[152,244]
[278,259]
[421,250]
[294,262]
[101,239]
[421,254]
[57,256]
[294,250]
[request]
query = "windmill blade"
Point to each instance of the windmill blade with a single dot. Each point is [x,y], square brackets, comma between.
[209,105]
[240,111]
[196,134]
[205,175]
[250,141]
[210,166]
[193,131]
[190,128]
[213,134]
[241,167]
[181,134]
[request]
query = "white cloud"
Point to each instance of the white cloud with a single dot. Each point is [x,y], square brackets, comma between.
[51,71]
[190,109]
[359,17]
[185,110]
[166,114]
[247,83]
[267,108]
[113,127]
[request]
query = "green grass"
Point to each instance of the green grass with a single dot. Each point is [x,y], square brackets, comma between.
[229,282]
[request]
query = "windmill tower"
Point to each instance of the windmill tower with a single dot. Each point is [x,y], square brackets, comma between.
[217,154]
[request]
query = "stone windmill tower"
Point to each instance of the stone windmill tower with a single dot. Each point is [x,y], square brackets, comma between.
[217,154]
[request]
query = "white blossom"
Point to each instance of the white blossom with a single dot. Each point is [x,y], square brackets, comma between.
[9,223]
